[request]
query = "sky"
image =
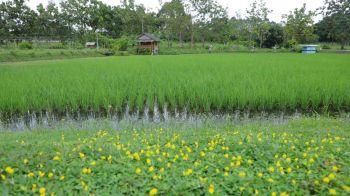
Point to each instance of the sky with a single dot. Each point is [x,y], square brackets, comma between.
[279,7]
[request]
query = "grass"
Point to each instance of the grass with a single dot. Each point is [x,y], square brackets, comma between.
[250,159]
[200,83]
[17,55]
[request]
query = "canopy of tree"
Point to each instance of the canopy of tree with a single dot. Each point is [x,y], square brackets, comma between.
[178,20]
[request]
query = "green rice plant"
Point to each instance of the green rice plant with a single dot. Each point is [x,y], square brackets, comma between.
[198,83]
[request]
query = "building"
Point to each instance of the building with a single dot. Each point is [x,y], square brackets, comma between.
[90,45]
[309,49]
[148,42]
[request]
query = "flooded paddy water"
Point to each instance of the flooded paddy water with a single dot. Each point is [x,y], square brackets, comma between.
[180,119]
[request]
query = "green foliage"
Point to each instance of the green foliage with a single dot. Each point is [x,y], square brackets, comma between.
[25,45]
[200,83]
[122,44]
[325,46]
[309,154]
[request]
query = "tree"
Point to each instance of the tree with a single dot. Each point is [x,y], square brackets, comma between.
[299,25]
[259,22]
[175,20]
[204,12]
[275,36]
[337,14]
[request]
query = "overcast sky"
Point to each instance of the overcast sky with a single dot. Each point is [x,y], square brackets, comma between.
[279,7]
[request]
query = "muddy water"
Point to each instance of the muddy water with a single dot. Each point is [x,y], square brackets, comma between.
[146,119]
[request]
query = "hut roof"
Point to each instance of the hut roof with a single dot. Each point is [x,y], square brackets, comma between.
[148,38]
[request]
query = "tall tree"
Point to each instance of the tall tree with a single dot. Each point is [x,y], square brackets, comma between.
[299,25]
[337,13]
[259,22]
[204,11]
[175,20]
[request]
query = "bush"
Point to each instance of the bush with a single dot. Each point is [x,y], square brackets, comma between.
[292,43]
[25,45]
[121,44]
[325,46]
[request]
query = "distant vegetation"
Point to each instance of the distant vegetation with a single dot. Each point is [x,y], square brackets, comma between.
[199,83]
[71,23]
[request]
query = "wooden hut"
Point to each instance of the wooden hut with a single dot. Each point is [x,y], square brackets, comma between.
[148,42]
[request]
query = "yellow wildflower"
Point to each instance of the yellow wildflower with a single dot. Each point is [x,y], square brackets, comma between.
[137,170]
[93,163]
[153,191]
[86,170]
[151,169]
[50,175]
[25,161]
[149,161]
[56,158]
[284,194]
[332,192]
[31,174]
[346,188]
[331,176]
[260,174]
[3,177]
[211,189]
[271,169]
[33,188]
[42,191]
[62,178]
[188,172]
[242,174]
[41,174]
[326,180]
[82,155]
[9,170]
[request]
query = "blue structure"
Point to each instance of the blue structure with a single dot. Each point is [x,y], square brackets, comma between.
[309,49]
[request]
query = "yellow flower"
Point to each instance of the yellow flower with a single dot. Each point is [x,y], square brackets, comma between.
[271,169]
[93,163]
[136,156]
[242,174]
[33,188]
[31,174]
[256,192]
[202,154]
[284,194]
[9,170]
[62,178]
[332,192]
[3,177]
[41,174]
[56,158]
[331,176]
[86,170]
[316,182]
[326,180]
[138,171]
[335,168]
[289,170]
[250,162]
[187,172]
[346,188]
[260,174]
[273,194]
[50,175]
[226,174]
[151,169]
[153,191]
[82,155]
[149,161]
[42,191]
[211,189]
[25,161]
[270,180]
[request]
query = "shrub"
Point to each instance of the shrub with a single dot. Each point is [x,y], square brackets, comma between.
[25,45]
[325,46]
[121,44]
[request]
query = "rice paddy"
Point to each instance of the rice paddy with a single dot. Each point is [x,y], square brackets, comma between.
[195,83]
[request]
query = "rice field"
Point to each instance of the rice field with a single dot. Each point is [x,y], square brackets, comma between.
[195,83]
[253,159]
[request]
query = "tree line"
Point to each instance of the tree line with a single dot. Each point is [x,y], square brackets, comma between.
[185,21]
